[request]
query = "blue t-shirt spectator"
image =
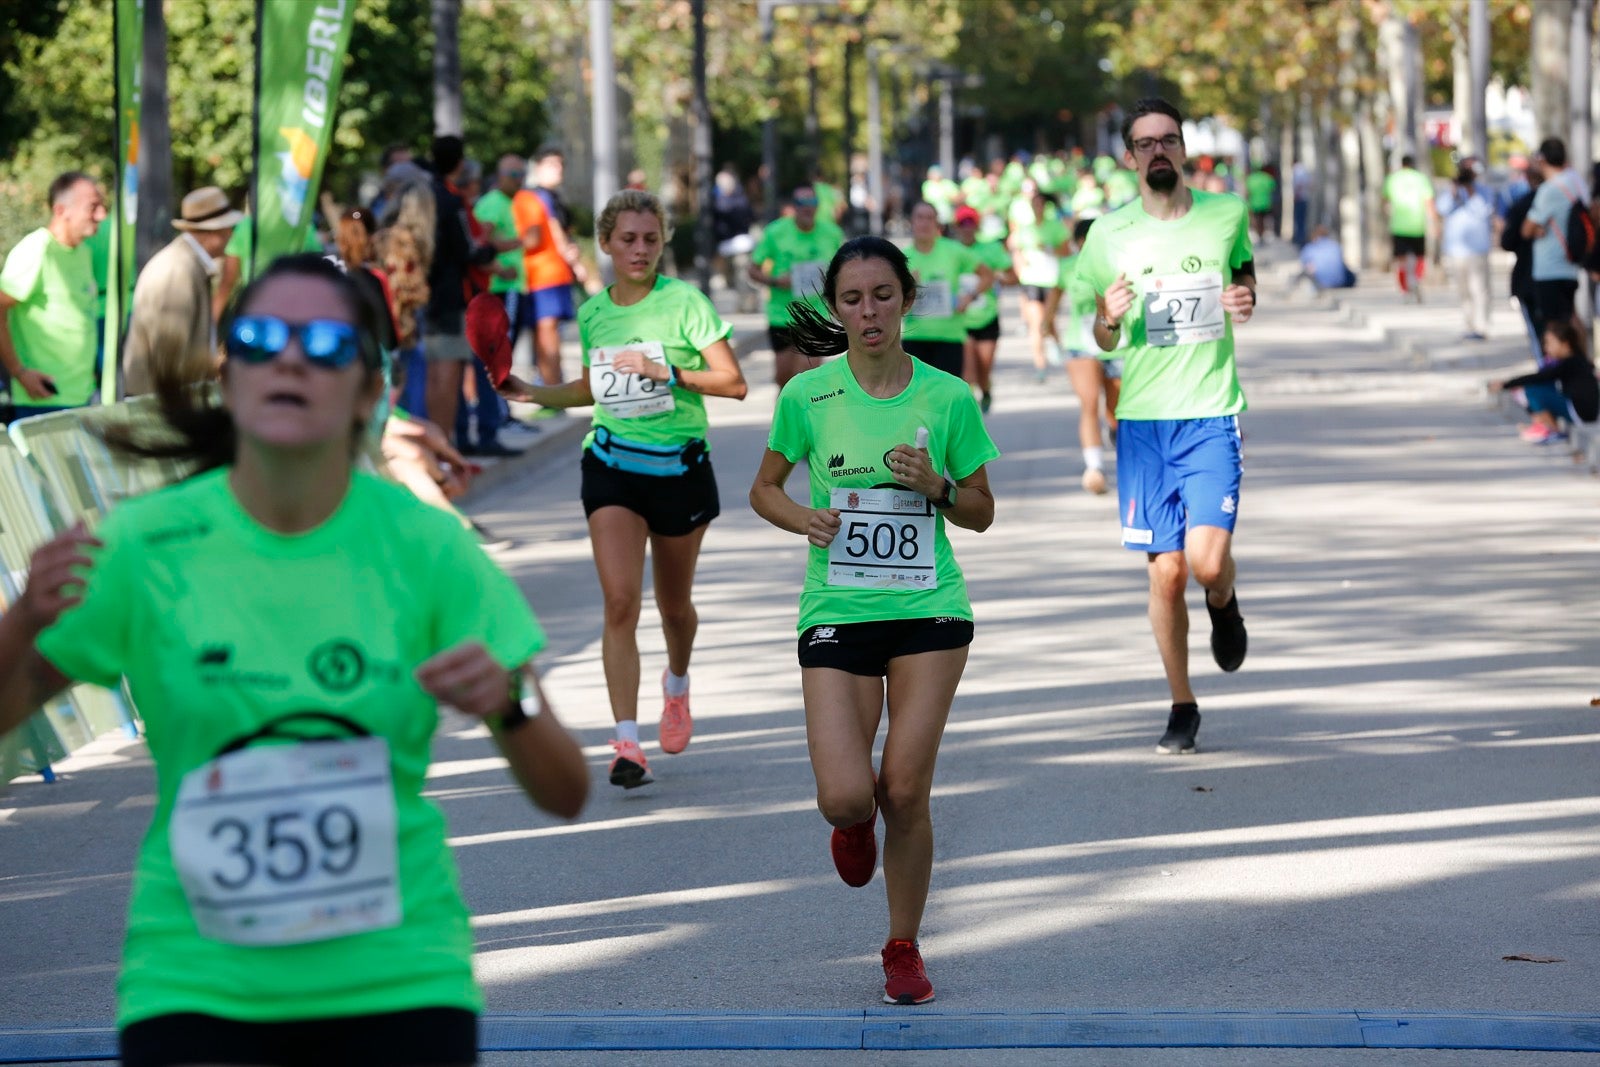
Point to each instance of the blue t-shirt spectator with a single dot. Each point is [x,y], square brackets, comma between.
[1468,220]
[1323,259]
[1551,206]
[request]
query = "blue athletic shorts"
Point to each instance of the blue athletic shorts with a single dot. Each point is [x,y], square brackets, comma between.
[1173,474]
[553,302]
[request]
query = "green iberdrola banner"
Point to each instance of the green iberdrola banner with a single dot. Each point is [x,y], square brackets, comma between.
[128,37]
[300,50]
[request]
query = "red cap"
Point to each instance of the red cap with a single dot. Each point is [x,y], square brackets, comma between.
[966,214]
[489,335]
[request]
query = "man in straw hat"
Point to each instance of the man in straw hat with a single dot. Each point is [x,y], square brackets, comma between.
[172,315]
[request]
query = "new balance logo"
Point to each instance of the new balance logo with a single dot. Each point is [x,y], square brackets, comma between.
[835,462]
[215,656]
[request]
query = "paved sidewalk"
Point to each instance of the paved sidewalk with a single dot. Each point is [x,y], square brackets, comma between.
[1396,792]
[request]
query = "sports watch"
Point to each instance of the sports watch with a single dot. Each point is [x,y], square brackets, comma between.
[526,704]
[948,500]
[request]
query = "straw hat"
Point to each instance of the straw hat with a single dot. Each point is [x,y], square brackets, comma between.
[207,208]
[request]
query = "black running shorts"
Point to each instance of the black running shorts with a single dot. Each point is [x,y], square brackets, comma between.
[990,332]
[865,648]
[424,1037]
[672,506]
[1408,246]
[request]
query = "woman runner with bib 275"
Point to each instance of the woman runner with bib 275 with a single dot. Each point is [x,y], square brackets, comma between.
[883,595]
[653,349]
[288,627]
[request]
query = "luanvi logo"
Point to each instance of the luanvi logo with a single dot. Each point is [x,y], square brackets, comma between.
[215,656]
[836,461]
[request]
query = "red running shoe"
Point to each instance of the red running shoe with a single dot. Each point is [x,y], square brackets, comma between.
[855,850]
[905,978]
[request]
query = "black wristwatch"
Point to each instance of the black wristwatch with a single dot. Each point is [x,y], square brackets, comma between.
[948,500]
[526,704]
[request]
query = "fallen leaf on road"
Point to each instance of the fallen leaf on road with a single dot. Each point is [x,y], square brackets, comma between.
[1201,788]
[1523,957]
[1595,703]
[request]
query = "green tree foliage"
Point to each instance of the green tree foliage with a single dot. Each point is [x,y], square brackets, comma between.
[1040,61]
[56,61]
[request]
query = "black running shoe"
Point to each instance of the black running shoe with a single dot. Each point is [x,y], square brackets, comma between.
[1182,725]
[1229,642]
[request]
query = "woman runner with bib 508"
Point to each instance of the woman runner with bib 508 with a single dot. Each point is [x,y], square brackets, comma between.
[288,627]
[894,449]
[653,349]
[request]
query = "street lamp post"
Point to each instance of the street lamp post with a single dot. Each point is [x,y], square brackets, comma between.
[875,176]
[704,238]
[603,116]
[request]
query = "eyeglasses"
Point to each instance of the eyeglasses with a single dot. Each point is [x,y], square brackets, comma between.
[326,343]
[1146,145]
[805,201]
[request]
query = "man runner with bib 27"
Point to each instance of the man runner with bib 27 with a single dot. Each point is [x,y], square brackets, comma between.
[1173,271]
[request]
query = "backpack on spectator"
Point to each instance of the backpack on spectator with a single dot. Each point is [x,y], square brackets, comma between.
[1579,243]
[1592,262]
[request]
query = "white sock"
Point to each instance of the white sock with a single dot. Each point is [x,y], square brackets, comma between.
[675,684]
[628,730]
[1094,459]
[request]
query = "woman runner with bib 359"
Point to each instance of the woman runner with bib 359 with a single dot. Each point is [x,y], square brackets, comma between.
[654,348]
[288,627]
[883,596]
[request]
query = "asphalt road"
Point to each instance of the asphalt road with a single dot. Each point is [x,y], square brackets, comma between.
[1396,791]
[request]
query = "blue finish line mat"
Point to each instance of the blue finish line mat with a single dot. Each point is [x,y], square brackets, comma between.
[920,1028]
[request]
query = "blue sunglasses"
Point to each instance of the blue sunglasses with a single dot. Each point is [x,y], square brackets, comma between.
[326,343]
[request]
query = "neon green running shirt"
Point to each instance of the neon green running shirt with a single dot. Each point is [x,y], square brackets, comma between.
[1177,269]
[494,209]
[1409,192]
[53,322]
[982,311]
[938,273]
[221,626]
[1036,244]
[783,247]
[827,420]
[679,318]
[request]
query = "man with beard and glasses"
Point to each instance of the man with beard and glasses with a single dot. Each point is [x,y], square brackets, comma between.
[1173,270]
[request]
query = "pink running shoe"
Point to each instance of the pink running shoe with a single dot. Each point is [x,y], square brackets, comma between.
[629,769]
[905,978]
[676,725]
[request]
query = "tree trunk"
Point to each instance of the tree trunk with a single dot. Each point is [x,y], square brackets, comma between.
[1549,57]
[153,226]
[1352,216]
[1580,146]
[1332,177]
[1478,61]
[447,117]
[603,112]
[1403,60]
[1461,81]
[1286,113]
[1310,154]
[1376,249]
